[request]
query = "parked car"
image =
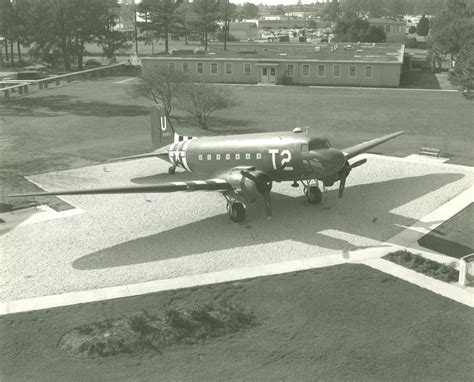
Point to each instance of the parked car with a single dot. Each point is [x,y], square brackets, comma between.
[32,75]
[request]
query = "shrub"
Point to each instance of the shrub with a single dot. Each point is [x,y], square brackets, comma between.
[442,272]
[142,331]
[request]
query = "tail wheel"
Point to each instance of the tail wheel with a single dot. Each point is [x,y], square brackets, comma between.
[172,170]
[237,212]
[314,195]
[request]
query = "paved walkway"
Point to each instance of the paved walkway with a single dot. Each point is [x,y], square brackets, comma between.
[444,82]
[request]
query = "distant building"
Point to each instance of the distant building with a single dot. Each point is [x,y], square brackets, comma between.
[377,65]
[395,30]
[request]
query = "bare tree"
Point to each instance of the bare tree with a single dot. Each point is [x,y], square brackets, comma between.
[161,86]
[202,99]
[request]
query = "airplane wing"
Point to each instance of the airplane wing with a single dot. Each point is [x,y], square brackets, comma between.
[193,185]
[352,151]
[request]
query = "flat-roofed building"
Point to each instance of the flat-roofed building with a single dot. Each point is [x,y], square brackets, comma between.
[341,64]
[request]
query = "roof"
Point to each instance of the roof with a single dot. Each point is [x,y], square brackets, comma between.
[386,21]
[343,52]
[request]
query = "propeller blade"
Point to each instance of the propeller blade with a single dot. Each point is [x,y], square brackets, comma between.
[359,163]
[268,203]
[249,176]
[342,185]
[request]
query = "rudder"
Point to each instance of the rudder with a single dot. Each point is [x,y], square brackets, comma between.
[162,133]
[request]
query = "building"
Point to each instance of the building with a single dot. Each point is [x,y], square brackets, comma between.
[395,30]
[341,64]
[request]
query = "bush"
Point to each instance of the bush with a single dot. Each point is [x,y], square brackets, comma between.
[142,331]
[442,272]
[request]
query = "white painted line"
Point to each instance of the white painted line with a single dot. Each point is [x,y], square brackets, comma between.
[123,81]
[34,215]
[130,290]
[451,291]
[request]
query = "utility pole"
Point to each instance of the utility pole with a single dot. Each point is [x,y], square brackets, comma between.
[226,25]
[135,26]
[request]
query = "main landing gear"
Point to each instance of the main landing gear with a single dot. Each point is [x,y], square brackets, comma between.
[235,208]
[312,191]
[172,170]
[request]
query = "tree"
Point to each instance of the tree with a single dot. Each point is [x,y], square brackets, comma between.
[162,18]
[452,29]
[207,12]
[202,99]
[161,86]
[375,34]
[423,26]
[354,29]
[462,75]
[249,11]
[332,10]
[412,30]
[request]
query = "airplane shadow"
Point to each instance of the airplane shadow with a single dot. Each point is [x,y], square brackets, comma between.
[293,220]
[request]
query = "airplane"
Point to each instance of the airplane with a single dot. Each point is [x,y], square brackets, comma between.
[243,167]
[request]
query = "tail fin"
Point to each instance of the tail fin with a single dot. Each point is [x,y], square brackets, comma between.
[162,133]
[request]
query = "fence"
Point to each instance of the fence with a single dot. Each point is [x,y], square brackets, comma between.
[43,83]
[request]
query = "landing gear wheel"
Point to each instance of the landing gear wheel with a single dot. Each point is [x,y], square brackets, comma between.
[237,212]
[313,195]
[172,170]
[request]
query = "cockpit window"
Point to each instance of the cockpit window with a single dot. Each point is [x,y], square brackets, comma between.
[319,143]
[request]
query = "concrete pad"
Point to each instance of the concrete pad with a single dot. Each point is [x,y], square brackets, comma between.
[133,239]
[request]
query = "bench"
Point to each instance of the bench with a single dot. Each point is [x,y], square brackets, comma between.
[429,151]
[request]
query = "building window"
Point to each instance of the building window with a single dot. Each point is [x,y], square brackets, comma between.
[247,156]
[336,71]
[214,68]
[305,70]
[321,69]
[227,156]
[290,70]
[200,68]
[352,71]
[200,156]
[218,156]
[171,65]
[185,67]
[247,70]
[237,156]
[387,28]
[259,156]
[368,71]
[209,156]
[228,68]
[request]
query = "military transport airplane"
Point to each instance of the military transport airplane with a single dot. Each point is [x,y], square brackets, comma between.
[243,167]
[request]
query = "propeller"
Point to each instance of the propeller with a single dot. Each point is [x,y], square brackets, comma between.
[264,186]
[344,172]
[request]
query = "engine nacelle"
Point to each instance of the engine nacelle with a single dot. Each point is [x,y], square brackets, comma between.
[246,187]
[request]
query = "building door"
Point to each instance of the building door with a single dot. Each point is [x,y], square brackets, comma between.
[272,77]
[264,77]
[268,75]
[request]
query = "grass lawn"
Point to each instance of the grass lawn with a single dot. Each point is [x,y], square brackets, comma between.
[338,323]
[90,122]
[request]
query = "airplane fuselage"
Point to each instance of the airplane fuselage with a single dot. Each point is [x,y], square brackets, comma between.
[293,155]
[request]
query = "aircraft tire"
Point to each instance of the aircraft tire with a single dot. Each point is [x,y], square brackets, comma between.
[314,195]
[172,170]
[237,212]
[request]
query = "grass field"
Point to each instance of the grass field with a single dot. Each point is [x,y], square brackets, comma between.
[339,323]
